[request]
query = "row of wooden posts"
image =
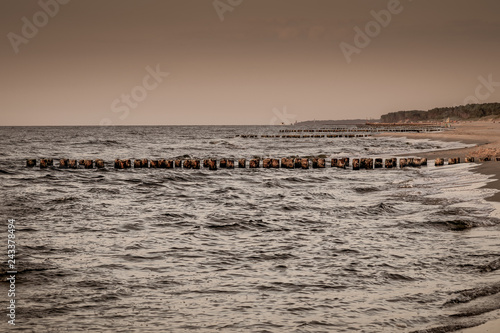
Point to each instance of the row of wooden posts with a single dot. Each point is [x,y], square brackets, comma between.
[285,163]
[337,130]
[307,136]
[368,129]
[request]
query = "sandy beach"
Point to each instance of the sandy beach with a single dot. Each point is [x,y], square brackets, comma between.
[486,137]
[492,326]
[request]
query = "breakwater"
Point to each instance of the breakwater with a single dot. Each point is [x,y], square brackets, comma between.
[356,163]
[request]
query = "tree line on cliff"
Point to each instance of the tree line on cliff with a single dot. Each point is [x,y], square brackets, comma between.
[463,112]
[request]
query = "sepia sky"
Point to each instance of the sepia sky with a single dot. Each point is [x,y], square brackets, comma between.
[90,62]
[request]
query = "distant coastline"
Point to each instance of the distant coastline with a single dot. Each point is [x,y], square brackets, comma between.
[483,111]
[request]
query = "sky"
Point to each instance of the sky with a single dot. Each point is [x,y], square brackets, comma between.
[242,62]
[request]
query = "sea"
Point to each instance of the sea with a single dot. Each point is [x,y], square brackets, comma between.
[242,250]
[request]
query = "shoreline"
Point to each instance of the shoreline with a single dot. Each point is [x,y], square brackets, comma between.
[485,136]
[486,139]
[490,326]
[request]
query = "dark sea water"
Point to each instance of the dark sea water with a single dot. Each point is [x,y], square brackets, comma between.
[243,250]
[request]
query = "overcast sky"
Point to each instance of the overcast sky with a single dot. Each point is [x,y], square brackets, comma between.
[93,62]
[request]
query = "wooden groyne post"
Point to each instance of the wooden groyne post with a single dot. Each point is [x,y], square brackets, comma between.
[254,163]
[318,163]
[212,164]
[366,163]
[46,162]
[355,164]
[122,164]
[287,163]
